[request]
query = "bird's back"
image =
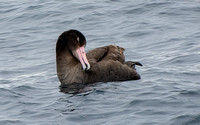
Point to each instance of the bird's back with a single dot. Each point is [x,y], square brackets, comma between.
[108,64]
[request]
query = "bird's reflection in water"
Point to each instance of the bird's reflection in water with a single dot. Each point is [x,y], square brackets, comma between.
[76,88]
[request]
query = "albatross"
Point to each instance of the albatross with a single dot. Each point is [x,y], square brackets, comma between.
[104,64]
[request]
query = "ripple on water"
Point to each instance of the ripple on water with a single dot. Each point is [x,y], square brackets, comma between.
[162,35]
[186,120]
[190,59]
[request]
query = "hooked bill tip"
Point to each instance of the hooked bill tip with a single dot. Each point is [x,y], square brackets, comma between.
[87,67]
[84,68]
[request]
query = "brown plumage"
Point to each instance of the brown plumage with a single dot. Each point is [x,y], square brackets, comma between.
[102,64]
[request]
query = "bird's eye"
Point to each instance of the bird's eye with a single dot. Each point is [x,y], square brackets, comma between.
[78,39]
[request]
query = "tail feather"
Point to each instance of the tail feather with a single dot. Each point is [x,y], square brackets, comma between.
[132,64]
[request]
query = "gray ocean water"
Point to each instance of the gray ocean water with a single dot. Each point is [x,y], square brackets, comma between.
[164,35]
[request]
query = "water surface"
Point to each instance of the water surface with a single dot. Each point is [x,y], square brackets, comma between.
[163,35]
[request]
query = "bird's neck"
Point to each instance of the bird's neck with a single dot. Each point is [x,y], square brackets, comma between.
[67,65]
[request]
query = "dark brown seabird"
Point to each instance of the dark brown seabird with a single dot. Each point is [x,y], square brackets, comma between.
[103,64]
